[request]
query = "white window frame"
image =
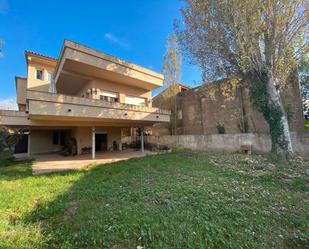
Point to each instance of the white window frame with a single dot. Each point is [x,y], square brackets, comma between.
[133,100]
[109,94]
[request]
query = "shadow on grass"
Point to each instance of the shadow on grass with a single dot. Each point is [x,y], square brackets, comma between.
[104,201]
[11,170]
[165,201]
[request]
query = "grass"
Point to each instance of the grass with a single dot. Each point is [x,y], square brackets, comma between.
[307,125]
[177,200]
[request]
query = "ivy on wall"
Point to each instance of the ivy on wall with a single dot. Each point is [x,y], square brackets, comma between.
[272,113]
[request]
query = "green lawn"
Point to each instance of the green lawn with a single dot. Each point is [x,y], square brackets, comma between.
[177,200]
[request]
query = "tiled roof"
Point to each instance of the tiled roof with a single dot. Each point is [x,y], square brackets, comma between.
[42,55]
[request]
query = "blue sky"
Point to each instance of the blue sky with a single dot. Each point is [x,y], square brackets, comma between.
[135,31]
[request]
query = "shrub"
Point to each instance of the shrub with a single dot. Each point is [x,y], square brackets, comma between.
[220,128]
[6,158]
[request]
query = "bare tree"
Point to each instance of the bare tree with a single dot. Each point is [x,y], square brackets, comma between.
[1,43]
[259,39]
[172,61]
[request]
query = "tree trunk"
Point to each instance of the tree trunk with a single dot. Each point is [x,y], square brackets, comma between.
[285,137]
[175,112]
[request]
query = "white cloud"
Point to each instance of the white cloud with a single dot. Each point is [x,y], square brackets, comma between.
[8,103]
[116,40]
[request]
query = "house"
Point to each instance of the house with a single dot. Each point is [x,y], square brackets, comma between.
[166,99]
[83,94]
[163,99]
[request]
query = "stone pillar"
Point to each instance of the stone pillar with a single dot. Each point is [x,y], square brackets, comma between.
[93,142]
[142,139]
[122,98]
[29,144]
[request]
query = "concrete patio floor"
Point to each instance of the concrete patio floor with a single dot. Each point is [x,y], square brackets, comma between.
[55,163]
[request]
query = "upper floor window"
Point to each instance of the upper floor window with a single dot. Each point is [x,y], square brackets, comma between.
[182,89]
[109,96]
[39,74]
[49,77]
[135,100]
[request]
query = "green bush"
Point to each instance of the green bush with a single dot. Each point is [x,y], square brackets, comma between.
[6,158]
[220,128]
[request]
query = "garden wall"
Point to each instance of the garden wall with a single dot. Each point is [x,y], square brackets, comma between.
[301,144]
[215,142]
[261,143]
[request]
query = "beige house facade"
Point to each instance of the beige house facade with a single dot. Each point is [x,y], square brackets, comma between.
[84,94]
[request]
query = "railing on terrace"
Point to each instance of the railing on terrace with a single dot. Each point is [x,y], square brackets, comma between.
[13,113]
[68,99]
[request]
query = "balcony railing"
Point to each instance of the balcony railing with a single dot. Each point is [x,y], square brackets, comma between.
[67,99]
[12,113]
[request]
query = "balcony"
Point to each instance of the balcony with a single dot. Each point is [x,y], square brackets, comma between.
[14,118]
[78,64]
[44,105]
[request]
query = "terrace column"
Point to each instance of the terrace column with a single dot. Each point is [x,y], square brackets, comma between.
[93,142]
[29,143]
[142,139]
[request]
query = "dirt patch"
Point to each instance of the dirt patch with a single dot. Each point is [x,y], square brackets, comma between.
[259,173]
[10,233]
[151,181]
[257,166]
[71,211]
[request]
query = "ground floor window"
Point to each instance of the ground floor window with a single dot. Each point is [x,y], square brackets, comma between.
[22,144]
[59,137]
[100,142]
